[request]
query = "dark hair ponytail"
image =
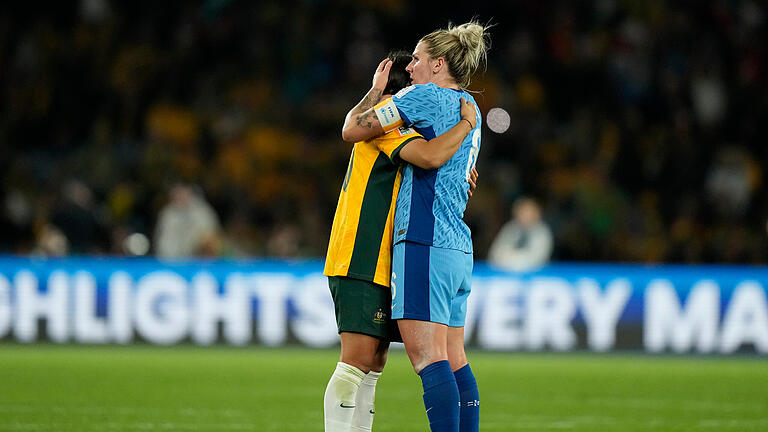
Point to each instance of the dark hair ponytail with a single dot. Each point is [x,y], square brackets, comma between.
[398,77]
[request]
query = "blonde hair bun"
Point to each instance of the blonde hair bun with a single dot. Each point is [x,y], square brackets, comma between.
[464,48]
[470,36]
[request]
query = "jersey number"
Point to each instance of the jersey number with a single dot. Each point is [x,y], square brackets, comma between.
[473,152]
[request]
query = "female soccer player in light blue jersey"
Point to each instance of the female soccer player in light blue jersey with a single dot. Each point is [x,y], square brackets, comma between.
[432,255]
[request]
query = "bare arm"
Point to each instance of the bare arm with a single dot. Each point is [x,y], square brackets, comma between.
[361,122]
[437,151]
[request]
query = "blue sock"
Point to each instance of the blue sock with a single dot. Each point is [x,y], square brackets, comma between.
[470,400]
[441,397]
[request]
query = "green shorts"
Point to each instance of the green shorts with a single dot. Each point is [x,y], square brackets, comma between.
[363,307]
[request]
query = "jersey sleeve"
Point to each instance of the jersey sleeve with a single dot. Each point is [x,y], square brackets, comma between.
[417,105]
[388,115]
[394,141]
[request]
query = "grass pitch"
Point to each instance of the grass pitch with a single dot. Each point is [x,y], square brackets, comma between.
[144,388]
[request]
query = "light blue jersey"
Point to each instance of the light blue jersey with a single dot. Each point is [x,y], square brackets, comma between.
[431,203]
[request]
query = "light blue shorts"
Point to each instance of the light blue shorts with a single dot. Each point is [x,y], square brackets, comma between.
[430,284]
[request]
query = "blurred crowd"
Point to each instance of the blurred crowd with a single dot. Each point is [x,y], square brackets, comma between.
[212,128]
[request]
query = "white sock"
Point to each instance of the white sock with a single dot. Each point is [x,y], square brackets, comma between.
[339,402]
[365,403]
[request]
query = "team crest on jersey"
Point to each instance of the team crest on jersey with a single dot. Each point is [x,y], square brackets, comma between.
[379,317]
[404,91]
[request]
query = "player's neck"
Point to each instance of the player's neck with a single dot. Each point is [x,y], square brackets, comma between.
[445,82]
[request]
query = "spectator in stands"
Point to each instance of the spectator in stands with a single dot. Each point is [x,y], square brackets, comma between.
[187,225]
[76,216]
[525,242]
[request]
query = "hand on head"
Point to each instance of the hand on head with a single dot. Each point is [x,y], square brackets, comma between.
[381,76]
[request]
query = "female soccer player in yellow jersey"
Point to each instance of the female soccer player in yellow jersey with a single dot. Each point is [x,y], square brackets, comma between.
[432,255]
[358,264]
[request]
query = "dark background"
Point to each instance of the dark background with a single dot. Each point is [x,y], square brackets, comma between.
[638,125]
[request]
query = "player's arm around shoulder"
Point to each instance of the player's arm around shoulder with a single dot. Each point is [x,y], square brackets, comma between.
[434,153]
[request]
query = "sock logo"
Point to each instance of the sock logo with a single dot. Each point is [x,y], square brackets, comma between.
[472,403]
[346,406]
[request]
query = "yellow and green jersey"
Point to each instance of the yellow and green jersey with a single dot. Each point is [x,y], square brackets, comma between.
[361,238]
